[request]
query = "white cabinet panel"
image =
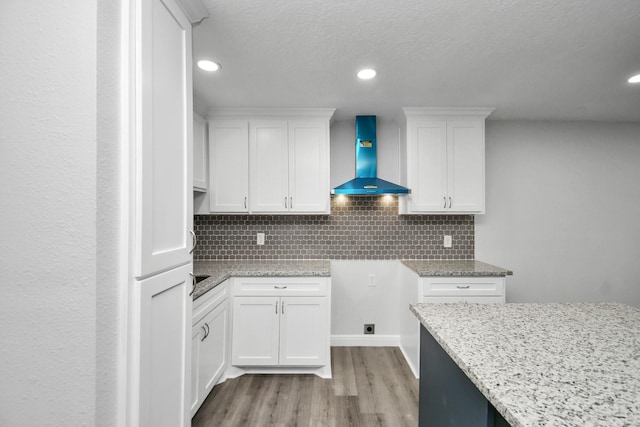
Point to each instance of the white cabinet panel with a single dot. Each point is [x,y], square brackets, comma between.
[256,331]
[466,165]
[269,165]
[196,338]
[428,162]
[163,139]
[229,165]
[200,154]
[303,331]
[308,166]
[160,364]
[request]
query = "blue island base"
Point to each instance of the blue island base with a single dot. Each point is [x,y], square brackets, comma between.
[447,396]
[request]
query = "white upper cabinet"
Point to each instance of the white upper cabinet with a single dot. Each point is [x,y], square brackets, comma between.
[229,165]
[443,154]
[270,161]
[200,156]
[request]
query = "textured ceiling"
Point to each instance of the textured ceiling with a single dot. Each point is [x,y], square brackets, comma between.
[530,59]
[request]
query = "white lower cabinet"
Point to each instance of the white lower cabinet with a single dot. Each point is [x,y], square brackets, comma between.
[209,343]
[272,331]
[416,289]
[281,322]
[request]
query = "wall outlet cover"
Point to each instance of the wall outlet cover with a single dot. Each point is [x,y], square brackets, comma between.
[372,280]
[369,328]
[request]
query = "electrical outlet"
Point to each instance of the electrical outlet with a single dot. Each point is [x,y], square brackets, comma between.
[372,280]
[260,239]
[369,328]
[447,241]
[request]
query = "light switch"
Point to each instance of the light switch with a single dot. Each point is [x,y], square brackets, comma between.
[260,239]
[447,241]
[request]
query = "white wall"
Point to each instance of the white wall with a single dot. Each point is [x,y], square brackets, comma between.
[563,210]
[355,303]
[48,213]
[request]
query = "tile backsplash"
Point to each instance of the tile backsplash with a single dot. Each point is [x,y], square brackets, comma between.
[363,227]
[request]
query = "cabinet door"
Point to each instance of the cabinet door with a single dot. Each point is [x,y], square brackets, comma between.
[427,159]
[269,166]
[198,332]
[200,157]
[465,145]
[309,188]
[163,138]
[229,165]
[213,348]
[255,331]
[303,331]
[160,359]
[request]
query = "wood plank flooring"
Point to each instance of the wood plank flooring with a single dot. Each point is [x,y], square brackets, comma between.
[371,386]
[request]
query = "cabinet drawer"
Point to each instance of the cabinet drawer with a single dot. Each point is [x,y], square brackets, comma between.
[280,286]
[460,298]
[209,301]
[463,286]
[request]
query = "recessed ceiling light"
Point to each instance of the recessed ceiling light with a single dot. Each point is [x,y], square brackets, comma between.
[207,65]
[635,79]
[366,74]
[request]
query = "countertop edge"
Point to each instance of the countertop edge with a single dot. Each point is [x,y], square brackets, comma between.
[448,268]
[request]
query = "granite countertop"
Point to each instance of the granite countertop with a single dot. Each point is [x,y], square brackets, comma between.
[546,364]
[219,271]
[454,268]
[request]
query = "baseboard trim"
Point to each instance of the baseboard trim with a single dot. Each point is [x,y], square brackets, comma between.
[365,340]
[414,370]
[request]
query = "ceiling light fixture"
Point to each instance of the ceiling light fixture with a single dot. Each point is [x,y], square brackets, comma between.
[366,74]
[207,65]
[635,79]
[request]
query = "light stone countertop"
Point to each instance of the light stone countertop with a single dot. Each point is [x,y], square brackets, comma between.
[222,270]
[546,364]
[454,268]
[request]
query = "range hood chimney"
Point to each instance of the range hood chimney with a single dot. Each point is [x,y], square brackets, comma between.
[366,182]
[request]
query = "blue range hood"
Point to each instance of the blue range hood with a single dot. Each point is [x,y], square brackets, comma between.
[366,182]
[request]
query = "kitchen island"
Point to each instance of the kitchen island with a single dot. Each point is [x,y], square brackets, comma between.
[529,364]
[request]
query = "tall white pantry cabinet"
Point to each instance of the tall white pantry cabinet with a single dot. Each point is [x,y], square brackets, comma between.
[160,127]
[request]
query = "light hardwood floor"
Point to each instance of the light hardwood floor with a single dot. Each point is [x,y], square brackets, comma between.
[371,386]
